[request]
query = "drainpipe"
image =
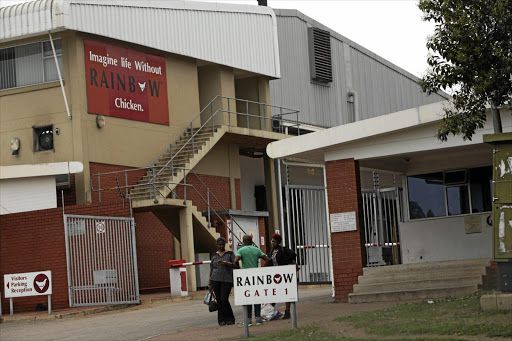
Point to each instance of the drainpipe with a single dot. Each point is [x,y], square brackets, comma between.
[60,76]
[355,100]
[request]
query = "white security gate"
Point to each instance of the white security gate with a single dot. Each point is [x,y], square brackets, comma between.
[382,214]
[101,260]
[307,232]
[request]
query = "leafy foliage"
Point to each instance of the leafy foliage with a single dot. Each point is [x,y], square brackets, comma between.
[471,55]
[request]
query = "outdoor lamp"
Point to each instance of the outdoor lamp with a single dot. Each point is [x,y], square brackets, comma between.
[15,146]
[100,121]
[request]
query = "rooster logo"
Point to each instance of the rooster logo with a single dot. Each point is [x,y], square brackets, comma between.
[142,86]
[41,283]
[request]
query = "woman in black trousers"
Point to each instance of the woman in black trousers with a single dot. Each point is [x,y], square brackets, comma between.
[221,281]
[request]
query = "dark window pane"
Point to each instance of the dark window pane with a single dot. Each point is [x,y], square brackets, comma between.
[458,200]
[481,186]
[426,196]
[455,177]
[7,68]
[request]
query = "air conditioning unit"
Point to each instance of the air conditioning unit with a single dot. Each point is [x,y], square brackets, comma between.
[63,181]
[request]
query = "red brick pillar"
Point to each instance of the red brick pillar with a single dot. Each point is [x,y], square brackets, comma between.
[343,195]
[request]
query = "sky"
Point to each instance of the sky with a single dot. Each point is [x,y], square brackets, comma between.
[392,29]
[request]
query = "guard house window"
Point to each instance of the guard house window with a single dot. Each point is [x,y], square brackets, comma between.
[320,61]
[450,193]
[43,138]
[29,64]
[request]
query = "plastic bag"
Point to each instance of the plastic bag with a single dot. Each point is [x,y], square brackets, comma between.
[207,298]
[268,312]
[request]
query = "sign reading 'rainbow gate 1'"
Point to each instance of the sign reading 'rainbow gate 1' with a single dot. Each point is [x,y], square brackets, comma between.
[125,83]
[273,284]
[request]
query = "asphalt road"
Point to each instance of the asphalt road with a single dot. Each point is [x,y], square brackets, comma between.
[140,323]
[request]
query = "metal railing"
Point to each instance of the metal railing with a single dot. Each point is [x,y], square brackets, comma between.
[219,115]
[156,187]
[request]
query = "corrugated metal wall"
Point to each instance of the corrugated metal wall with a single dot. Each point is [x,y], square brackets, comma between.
[239,36]
[380,88]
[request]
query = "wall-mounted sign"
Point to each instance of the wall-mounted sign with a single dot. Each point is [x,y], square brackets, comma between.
[273,284]
[125,83]
[28,284]
[343,222]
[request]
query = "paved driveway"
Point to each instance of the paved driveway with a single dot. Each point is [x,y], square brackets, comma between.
[138,323]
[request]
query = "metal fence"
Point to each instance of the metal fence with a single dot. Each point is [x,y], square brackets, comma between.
[101,260]
[381,217]
[307,232]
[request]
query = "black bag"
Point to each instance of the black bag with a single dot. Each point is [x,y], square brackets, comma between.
[212,305]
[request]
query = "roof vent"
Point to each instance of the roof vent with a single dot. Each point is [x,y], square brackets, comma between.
[320,55]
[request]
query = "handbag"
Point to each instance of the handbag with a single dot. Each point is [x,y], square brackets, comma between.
[207,298]
[212,305]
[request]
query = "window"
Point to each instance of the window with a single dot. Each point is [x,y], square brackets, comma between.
[29,64]
[450,193]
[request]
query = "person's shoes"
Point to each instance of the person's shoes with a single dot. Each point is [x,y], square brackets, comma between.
[241,324]
[229,323]
[222,323]
[259,321]
[286,315]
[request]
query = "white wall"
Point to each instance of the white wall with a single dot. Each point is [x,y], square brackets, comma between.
[27,194]
[432,240]
[252,174]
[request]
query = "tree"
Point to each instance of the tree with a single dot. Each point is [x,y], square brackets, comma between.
[471,55]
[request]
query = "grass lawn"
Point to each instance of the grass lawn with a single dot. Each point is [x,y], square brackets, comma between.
[450,316]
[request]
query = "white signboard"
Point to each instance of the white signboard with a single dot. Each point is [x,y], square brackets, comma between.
[343,222]
[28,284]
[273,284]
[100,227]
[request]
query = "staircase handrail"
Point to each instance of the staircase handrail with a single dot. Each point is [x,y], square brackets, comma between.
[167,183]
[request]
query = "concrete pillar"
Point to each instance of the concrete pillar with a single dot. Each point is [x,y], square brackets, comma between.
[264,97]
[348,252]
[234,167]
[187,244]
[217,80]
[177,248]
[271,194]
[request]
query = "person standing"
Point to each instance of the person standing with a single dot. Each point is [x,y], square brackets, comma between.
[249,255]
[221,281]
[281,255]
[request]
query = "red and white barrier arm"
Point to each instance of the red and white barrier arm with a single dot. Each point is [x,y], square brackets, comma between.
[179,265]
[311,246]
[380,244]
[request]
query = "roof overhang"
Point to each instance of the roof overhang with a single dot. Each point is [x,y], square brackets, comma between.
[42,169]
[240,36]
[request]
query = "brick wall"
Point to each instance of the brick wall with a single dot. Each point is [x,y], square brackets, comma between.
[109,183]
[343,193]
[219,187]
[154,250]
[262,231]
[34,241]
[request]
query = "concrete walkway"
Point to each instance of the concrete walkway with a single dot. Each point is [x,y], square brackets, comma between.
[159,318]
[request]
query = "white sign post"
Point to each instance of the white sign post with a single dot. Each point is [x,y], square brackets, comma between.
[28,284]
[273,284]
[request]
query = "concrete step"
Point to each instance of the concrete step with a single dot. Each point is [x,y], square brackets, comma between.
[411,295]
[418,284]
[431,266]
[415,275]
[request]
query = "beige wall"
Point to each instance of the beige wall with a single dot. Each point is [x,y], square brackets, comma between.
[217,80]
[254,89]
[119,142]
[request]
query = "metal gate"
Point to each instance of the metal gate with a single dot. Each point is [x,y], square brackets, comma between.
[307,232]
[382,214]
[101,260]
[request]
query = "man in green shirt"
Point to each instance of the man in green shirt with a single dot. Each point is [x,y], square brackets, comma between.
[249,255]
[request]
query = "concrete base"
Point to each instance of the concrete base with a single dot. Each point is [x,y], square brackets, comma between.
[497,301]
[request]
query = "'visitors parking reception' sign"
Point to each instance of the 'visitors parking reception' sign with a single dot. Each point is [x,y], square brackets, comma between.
[273,284]
[28,284]
[125,83]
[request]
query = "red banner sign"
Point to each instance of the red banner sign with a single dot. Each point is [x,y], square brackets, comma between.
[125,83]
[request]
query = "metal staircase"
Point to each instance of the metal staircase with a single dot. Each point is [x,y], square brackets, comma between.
[157,189]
